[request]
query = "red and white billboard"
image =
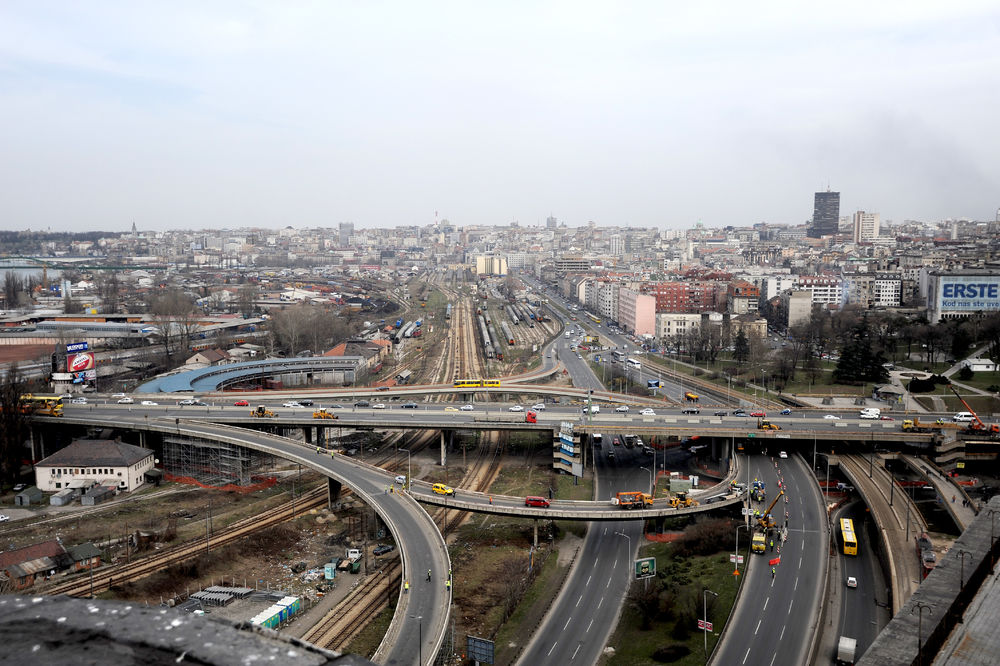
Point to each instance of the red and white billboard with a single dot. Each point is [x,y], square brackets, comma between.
[80,362]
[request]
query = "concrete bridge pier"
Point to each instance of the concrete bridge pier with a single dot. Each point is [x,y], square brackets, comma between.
[37,443]
[534,538]
[307,433]
[444,451]
[332,492]
[320,436]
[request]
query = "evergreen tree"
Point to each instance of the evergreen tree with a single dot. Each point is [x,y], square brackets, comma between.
[741,347]
[858,361]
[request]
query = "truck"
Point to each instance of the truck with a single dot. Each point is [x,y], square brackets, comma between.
[763,424]
[324,413]
[691,397]
[758,544]
[846,648]
[977,425]
[632,499]
[757,491]
[262,412]
[916,425]
[873,413]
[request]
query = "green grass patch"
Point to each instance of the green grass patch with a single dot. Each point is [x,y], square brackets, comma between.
[511,637]
[681,607]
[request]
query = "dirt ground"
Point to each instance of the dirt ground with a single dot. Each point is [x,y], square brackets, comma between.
[20,353]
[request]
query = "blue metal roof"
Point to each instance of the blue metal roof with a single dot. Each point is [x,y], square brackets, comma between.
[211,378]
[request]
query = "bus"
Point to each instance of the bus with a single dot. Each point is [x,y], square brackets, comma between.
[632,363]
[476,383]
[594,318]
[848,536]
[49,405]
[618,356]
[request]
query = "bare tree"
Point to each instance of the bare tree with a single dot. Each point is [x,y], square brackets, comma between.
[176,321]
[13,423]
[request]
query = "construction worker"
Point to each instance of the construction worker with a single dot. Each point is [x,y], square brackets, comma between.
[772,572]
[772,545]
[317,450]
[406,587]
[447,585]
[428,575]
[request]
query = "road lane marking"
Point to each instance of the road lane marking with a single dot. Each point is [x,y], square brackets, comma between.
[790,606]
[782,634]
[800,561]
[758,626]
[608,583]
[567,622]
[590,625]
[746,655]
[579,600]
[796,586]
[765,604]
[600,602]
[575,651]
[588,579]
[553,648]
[772,658]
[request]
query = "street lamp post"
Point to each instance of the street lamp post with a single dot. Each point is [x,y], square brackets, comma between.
[920,606]
[651,488]
[736,549]
[993,515]
[629,545]
[408,477]
[961,575]
[704,631]
[420,638]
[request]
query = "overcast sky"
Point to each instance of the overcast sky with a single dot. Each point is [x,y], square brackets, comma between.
[219,114]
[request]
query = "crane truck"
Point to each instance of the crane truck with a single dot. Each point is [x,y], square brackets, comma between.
[633,499]
[977,424]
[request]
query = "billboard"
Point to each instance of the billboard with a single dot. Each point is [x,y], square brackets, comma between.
[968,293]
[74,347]
[645,567]
[80,362]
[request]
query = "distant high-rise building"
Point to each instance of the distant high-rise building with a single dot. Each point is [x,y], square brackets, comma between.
[865,227]
[826,214]
[346,231]
[551,222]
[617,245]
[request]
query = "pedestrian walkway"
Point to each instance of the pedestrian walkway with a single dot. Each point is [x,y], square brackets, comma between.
[948,490]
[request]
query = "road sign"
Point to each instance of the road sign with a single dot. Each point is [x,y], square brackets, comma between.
[960,465]
[645,568]
[74,347]
[706,626]
[747,512]
[738,559]
[479,649]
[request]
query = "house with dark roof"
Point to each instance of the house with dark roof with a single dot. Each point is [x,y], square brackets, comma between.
[209,357]
[38,561]
[89,462]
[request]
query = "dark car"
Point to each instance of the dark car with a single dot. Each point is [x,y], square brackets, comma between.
[382,388]
[362,403]
[739,412]
[306,402]
[690,410]
[382,550]
[409,405]
[720,412]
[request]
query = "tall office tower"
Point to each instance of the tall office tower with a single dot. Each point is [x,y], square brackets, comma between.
[865,227]
[617,246]
[826,214]
[346,231]
[551,222]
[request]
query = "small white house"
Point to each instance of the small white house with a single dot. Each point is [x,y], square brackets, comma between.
[89,462]
[980,365]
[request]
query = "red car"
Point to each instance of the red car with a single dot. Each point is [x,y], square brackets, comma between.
[758,414]
[241,403]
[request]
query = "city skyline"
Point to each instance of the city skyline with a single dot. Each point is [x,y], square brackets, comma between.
[193,117]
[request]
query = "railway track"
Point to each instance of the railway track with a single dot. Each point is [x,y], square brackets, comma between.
[144,566]
[351,615]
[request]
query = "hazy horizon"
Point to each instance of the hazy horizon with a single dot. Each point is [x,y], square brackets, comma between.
[307,114]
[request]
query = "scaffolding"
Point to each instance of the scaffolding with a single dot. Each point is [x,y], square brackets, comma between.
[215,463]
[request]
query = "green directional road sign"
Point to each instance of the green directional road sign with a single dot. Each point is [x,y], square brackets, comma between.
[645,568]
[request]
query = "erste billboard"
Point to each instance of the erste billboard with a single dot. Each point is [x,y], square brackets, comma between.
[969,292]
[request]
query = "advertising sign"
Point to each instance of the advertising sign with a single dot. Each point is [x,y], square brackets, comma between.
[75,347]
[80,362]
[702,624]
[645,568]
[969,292]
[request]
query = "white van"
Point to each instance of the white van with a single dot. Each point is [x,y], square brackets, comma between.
[870,413]
[962,417]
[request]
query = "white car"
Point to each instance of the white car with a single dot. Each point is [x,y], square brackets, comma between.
[515,408]
[466,408]
[400,479]
[782,455]
[378,405]
[78,401]
[4,518]
[125,401]
[119,395]
[831,417]
[623,409]
[149,403]
[648,412]
[291,404]
[540,407]
[852,581]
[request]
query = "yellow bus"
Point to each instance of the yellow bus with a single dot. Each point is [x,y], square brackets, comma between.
[491,382]
[849,537]
[596,320]
[49,405]
[468,383]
